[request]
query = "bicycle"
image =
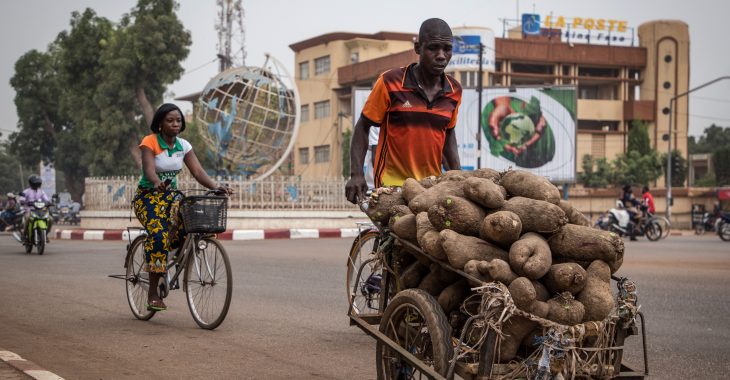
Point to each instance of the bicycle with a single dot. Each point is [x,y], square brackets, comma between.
[201,259]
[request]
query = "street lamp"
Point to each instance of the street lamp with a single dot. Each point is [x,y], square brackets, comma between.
[479,107]
[669,145]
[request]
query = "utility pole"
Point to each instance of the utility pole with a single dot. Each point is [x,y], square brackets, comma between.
[669,140]
[479,105]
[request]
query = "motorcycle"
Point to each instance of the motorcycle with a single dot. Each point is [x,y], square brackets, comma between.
[36,233]
[709,223]
[618,220]
[723,226]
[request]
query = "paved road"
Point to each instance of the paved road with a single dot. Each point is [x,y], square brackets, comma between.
[287,319]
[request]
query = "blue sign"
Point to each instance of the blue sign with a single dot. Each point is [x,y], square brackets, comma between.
[467,44]
[530,23]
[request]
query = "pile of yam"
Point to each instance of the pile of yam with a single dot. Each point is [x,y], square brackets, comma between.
[511,227]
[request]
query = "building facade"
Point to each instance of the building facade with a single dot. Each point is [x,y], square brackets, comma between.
[616,86]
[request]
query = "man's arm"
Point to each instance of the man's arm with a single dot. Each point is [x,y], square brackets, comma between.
[451,151]
[356,187]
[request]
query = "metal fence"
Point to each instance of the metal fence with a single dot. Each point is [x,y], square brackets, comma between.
[116,193]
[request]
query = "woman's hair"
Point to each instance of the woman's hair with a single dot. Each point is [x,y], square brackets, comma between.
[160,114]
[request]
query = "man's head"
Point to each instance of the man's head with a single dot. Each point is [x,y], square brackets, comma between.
[645,189]
[627,188]
[434,45]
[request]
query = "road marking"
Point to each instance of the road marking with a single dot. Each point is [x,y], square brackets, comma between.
[93,235]
[248,234]
[14,360]
[304,233]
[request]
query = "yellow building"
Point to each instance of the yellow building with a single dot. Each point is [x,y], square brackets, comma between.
[616,85]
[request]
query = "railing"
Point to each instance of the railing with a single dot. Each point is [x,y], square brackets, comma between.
[116,193]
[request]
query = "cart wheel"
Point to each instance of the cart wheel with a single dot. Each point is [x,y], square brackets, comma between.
[364,273]
[416,322]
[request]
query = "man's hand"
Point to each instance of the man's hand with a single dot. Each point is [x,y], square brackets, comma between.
[502,108]
[355,189]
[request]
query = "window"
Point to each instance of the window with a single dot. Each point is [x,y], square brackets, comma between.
[355,57]
[322,65]
[304,70]
[304,155]
[304,112]
[322,109]
[468,79]
[322,153]
[598,146]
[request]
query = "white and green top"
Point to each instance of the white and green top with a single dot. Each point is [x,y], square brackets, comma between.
[168,160]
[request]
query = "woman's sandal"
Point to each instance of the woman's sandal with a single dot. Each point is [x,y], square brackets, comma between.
[156,305]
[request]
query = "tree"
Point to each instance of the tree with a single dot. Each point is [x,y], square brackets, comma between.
[713,138]
[639,138]
[600,177]
[634,168]
[143,57]
[679,168]
[346,137]
[721,162]
[36,101]
[11,180]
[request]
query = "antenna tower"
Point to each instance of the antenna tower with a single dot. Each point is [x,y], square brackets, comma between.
[231,34]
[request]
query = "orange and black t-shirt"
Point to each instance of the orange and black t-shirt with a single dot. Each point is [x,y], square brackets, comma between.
[412,129]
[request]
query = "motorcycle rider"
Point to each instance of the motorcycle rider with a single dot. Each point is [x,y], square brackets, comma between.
[630,203]
[7,217]
[32,194]
[647,201]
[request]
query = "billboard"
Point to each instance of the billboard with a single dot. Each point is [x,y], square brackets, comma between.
[527,128]
[465,54]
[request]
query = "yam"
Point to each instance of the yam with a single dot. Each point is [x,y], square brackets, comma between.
[458,214]
[380,204]
[424,201]
[484,192]
[581,243]
[454,175]
[428,237]
[574,216]
[542,293]
[565,309]
[444,275]
[514,331]
[596,297]
[451,298]
[530,256]
[431,284]
[413,274]
[461,248]
[429,181]
[522,292]
[411,188]
[498,270]
[487,173]
[396,212]
[520,183]
[405,227]
[536,215]
[565,277]
[502,228]
[472,268]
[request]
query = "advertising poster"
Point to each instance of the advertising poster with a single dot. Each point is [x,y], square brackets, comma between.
[465,54]
[527,128]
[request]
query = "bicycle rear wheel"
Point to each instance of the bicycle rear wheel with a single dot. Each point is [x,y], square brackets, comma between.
[208,283]
[137,280]
[653,231]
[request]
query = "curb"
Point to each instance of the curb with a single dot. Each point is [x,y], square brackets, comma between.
[291,233]
[27,367]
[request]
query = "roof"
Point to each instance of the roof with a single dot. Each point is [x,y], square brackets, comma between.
[344,36]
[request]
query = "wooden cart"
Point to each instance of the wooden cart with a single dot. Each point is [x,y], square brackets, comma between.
[416,340]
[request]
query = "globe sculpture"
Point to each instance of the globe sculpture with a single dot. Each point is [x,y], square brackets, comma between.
[249,118]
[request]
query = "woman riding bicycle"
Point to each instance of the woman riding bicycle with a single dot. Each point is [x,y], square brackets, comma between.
[156,202]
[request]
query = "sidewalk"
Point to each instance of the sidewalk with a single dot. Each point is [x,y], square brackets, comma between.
[259,234]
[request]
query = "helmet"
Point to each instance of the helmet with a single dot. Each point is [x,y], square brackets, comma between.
[619,204]
[11,196]
[35,181]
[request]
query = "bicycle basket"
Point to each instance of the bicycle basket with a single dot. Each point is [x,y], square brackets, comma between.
[204,214]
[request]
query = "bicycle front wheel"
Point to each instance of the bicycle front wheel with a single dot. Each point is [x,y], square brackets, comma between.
[208,283]
[364,273]
[137,280]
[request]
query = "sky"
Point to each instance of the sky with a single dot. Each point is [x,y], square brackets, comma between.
[272,25]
